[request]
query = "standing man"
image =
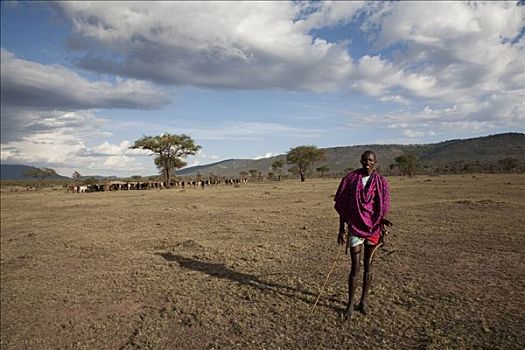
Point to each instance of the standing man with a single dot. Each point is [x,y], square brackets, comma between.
[362,201]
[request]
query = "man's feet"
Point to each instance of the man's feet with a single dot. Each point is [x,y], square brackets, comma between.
[346,314]
[362,308]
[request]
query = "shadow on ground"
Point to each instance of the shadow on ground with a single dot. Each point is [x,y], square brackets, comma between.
[220,270]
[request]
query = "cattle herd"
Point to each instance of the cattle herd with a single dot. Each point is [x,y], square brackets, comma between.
[134,185]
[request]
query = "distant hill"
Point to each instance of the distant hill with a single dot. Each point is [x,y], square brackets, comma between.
[17,172]
[480,150]
[99,177]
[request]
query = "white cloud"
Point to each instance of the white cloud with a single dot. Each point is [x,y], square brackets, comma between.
[331,13]
[495,112]
[60,140]
[39,98]
[463,60]
[395,98]
[449,53]
[447,68]
[267,155]
[33,85]
[202,158]
[48,116]
[460,50]
[212,44]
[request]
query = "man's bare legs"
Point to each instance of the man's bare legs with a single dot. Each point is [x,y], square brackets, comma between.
[367,276]
[355,253]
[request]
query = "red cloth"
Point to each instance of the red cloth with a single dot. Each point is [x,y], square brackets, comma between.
[363,208]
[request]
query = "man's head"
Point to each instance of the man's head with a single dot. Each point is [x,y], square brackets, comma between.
[368,162]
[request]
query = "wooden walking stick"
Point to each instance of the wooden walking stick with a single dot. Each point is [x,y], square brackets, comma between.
[326,279]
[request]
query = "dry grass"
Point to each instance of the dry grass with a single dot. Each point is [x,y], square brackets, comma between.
[241,267]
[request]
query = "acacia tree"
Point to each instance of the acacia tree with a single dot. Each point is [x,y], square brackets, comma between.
[76,178]
[253,173]
[303,156]
[322,169]
[407,163]
[277,167]
[169,150]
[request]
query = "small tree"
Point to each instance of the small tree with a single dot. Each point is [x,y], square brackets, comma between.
[508,164]
[294,170]
[271,176]
[322,169]
[40,175]
[76,178]
[277,167]
[169,149]
[303,156]
[253,173]
[407,163]
[168,166]
[243,174]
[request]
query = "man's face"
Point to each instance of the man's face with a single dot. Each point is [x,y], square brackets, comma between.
[368,161]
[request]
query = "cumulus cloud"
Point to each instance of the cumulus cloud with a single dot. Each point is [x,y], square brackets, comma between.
[40,98]
[18,123]
[241,45]
[267,155]
[34,85]
[328,14]
[65,150]
[497,111]
[439,68]
[454,53]
[60,139]
[202,158]
[462,61]
[49,113]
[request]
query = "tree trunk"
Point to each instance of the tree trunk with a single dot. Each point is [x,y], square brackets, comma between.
[302,176]
[167,177]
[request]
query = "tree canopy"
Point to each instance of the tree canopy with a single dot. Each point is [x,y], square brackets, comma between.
[407,163]
[322,169]
[277,167]
[253,173]
[303,156]
[169,149]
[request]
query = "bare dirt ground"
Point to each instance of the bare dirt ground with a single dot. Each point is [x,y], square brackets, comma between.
[239,268]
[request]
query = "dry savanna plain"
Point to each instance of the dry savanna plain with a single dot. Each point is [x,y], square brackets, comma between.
[240,268]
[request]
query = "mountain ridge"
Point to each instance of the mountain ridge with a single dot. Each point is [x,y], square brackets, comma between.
[456,152]
[489,148]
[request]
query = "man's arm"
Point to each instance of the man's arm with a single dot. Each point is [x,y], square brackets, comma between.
[341,236]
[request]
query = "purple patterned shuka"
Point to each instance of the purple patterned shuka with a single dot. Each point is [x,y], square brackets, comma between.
[363,208]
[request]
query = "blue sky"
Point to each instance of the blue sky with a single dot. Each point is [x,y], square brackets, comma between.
[82,81]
